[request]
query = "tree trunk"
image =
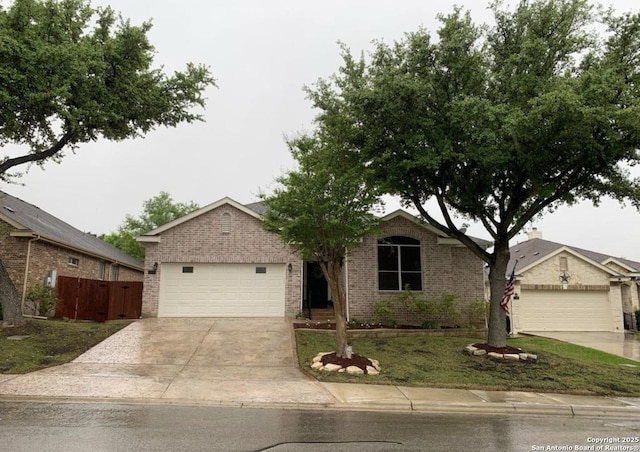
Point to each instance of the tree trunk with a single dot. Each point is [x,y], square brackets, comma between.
[497,282]
[334,274]
[11,309]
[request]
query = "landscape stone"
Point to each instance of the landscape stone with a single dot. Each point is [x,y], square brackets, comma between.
[316,365]
[332,367]
[479,352]
[495,355]
[372,370]
[470,349]
[511,357]
[354,370]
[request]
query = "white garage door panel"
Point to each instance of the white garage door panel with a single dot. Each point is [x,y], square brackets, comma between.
[550,310]
[222,290]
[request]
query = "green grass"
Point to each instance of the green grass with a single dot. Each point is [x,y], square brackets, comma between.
[50,343]
[440,362]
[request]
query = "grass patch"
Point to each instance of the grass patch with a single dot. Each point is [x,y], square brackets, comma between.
[429,361]
[50,343]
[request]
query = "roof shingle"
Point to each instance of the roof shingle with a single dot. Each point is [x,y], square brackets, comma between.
[35,220]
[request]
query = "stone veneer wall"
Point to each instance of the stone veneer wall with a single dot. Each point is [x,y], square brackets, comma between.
[580,272]
[202,240]
[583,276]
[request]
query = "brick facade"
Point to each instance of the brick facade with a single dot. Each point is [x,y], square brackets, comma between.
[203,239]
[445,268]
[44,256]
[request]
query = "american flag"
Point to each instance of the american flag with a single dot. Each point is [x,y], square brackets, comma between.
[509,290]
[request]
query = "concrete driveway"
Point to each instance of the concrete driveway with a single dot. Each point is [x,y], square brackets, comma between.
[195,359]
[621,344]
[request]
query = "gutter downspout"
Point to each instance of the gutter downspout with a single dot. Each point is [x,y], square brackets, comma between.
[346,285]
[26,274]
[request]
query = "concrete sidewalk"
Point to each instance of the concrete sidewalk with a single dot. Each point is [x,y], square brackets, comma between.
[217,362]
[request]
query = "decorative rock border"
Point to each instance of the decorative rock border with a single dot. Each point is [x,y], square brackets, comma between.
[353,370]
[472,350]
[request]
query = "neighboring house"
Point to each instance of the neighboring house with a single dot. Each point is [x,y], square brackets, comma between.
[36,247]
[564,288]
[219,261]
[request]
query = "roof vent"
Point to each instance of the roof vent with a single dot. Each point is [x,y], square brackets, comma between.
[534,234]
[9,209]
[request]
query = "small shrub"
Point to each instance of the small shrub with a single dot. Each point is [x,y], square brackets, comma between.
[443,310]
[42,300]
[478,313]
[429,325]
[385,313]
[446,308]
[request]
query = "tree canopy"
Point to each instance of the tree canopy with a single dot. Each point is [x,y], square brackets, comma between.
[70,74]
[159,210]
[497,124]
[323,209]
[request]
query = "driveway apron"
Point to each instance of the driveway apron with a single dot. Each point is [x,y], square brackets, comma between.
[621,344]
[224,360]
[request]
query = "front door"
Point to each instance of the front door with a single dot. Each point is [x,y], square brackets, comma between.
[316,287]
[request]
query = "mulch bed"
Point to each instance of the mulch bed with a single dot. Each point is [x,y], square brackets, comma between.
[355,360]
[501,350]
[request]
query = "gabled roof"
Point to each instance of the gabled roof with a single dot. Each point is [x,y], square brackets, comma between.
[533,251]
[149,236]
[258,209]
[443,239]
[31,221]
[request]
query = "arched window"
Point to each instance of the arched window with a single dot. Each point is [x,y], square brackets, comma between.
[399,264]
[225,223]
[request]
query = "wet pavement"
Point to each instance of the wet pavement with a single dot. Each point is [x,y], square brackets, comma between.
[250,363]
[626,345]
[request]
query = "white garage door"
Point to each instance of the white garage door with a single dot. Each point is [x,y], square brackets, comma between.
[560,310]
[221,290]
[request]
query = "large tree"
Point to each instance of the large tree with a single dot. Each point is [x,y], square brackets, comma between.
[71,74]
[497,124]
[159,210]
[322,209]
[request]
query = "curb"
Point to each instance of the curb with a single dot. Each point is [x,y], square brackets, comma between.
[411,407]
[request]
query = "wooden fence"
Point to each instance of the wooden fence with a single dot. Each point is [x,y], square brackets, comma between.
[91,299]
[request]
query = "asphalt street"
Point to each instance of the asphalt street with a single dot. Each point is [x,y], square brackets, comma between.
[70,427]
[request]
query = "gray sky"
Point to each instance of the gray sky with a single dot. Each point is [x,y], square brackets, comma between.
[262,53]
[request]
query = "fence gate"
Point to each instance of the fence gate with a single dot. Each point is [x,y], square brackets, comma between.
[92,299]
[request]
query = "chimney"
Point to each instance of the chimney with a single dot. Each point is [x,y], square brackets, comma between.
[534,234]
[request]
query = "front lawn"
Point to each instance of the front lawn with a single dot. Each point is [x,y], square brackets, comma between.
[50,343]
[440,362]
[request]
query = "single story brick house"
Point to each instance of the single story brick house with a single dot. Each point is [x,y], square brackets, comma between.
[36,247]
[219,262]
[564,288]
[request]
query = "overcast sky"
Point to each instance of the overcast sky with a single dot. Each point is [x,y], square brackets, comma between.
[262,53]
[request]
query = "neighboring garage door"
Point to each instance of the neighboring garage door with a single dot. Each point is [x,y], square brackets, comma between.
[221,290]
[562,310]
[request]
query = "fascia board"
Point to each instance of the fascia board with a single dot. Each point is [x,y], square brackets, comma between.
[202,211]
